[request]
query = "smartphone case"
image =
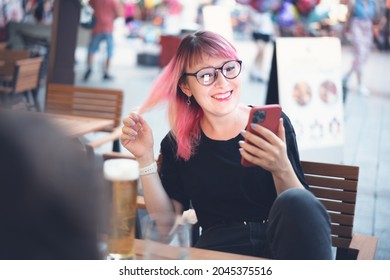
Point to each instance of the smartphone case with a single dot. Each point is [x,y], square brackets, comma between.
[267,116]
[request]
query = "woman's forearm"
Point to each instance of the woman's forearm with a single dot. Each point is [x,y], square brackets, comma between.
[156,198]
[286,179]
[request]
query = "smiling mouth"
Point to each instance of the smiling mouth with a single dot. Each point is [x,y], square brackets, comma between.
[223,96]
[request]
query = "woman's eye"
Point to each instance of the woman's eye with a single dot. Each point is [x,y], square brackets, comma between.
[207,73]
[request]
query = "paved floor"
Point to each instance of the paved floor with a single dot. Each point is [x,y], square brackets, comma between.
[367,123]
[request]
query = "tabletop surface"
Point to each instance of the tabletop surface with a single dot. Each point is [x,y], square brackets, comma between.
[76,126]
[167,252]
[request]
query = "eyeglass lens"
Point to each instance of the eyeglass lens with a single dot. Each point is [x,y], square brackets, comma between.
[229,70]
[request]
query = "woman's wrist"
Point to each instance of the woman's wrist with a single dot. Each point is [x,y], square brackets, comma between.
[146,160]
[149,169]
[285,179]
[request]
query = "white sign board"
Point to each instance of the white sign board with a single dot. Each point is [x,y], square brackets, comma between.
[310,93]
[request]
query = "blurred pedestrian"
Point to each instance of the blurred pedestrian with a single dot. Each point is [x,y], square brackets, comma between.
[359,24]
[130,7]
[105,11]
[386,28]
[262,32]
[43,12]
[48,190]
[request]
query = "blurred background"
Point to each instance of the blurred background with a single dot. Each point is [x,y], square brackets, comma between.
[147,33]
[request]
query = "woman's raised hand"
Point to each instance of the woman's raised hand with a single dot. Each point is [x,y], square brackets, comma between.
[137,138]
[270,153]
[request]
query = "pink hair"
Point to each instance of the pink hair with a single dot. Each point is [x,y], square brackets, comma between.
[185,119]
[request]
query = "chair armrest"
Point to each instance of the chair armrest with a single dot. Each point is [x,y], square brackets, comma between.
[114,135]
[365,245]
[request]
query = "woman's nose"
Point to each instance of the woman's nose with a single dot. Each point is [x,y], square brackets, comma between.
[220,78]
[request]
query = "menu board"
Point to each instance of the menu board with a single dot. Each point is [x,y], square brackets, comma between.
[306,77]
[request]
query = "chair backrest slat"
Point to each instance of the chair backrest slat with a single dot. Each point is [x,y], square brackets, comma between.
[332,182]
[337,206]
[337,195]
[341,218]
[331,170]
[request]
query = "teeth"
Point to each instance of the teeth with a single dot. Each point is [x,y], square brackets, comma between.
[223,95]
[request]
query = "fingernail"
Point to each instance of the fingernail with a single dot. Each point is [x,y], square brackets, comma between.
[240,142]
[243,132]
[132,123]
[254,125]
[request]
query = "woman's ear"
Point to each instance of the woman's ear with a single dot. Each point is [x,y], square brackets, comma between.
[185,88]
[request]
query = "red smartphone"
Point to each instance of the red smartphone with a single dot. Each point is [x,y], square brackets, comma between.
[267,116]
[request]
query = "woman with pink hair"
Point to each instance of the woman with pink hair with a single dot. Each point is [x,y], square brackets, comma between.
[263,211]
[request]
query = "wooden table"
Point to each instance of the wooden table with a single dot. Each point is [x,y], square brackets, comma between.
[165,252]
[72,126]
[76,126]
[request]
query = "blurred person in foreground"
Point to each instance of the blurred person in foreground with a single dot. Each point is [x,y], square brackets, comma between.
[48,193]
[105,11]
[263,211]
[359,25]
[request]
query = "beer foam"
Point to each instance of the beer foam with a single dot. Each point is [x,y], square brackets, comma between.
[121,169]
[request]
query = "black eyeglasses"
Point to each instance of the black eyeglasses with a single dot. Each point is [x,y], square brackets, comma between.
[207,76]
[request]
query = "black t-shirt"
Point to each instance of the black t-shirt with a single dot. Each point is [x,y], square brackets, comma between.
[216,184]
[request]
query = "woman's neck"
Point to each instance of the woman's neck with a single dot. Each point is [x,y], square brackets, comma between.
[225,127]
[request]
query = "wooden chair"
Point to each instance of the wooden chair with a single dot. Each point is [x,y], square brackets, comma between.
[88,102]
[25,80]
[335,185]
[37,46]
[8,59]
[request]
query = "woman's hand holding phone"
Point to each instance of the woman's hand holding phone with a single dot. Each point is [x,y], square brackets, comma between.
[264,143]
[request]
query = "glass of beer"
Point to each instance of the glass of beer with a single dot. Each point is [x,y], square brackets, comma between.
[123,175]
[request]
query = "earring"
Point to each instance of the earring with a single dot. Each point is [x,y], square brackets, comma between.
[188,100]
